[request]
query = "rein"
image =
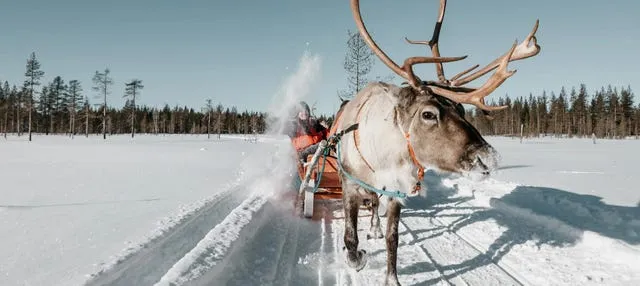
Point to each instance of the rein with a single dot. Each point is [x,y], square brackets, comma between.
[407,136]
[335,142]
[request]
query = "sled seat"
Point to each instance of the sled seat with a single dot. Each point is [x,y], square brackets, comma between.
[330,178]
[330,185]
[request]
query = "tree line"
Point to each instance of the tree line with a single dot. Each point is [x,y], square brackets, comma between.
[62,107]
[608,112]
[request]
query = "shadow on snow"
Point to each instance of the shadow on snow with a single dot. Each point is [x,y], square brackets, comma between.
[546,216]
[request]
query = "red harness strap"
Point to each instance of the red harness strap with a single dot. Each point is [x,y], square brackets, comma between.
[356,137]
[415,162]
[412,153]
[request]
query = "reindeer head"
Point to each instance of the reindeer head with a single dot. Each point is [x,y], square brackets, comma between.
[439,134]
[430,113]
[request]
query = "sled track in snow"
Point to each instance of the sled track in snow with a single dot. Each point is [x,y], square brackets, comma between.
[269,258]
[429,253]
[153,260]
[501,265]
[431,260]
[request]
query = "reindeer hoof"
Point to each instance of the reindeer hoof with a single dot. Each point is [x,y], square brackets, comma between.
[359,262]
[375,233]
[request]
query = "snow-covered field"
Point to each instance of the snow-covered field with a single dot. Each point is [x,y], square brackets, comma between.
[175,209]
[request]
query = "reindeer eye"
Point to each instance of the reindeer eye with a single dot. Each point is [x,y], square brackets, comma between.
[428,115]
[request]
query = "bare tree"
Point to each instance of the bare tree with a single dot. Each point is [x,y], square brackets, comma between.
[87,113]
[102,82]
[209,111]
[220,119]
[358,63]
[132,89]
[156,116]
[18,118]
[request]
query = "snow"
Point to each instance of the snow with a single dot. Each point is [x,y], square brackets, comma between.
[606,169]
[66,202]
[185,209]
[214,246]
[559,211]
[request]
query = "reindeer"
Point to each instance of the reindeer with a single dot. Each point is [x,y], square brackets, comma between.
[402,130]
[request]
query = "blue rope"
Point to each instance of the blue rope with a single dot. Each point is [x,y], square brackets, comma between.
[396,194]
[324,161]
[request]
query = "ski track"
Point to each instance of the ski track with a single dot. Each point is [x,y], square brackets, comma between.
[464,233]
[448,239]
[281,260]
[147,263]
[213,247]
[213,222]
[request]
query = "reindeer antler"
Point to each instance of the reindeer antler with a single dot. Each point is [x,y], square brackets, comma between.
[453,89]
[433,43]
[406,71]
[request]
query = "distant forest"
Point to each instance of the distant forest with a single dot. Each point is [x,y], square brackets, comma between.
[63,107]
[606,113]
[54,113]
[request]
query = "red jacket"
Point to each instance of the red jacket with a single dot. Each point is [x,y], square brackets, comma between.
[305,138]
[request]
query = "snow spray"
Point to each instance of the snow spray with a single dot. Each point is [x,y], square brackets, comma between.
[297,86]
[272,167]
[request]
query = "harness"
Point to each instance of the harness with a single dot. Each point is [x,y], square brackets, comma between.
[334,142]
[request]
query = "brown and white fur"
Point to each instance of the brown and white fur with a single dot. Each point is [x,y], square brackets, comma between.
[442,140]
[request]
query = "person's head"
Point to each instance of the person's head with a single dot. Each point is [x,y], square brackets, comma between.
[303,111]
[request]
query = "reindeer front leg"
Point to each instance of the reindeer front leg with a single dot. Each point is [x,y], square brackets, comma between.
[375,231]
[393,215]
[355,258]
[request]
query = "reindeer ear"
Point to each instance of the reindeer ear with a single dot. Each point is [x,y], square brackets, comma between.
[406,96]
[391,91]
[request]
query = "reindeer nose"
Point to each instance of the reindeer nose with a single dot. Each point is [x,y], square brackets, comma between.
[484,159]
[479,163]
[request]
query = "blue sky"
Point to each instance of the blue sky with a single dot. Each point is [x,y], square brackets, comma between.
[239,53]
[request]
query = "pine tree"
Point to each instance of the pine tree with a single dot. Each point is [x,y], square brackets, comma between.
[3,104]
[7,106]
[626,110]
[42,106]
[611,100]
[102,82]
[57,89]
[562,110]
[74,100]
[579,108]
[132,89]
[33,75]
[543,113]
[87,114]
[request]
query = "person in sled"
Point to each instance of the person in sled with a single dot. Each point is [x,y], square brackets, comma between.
[306,132]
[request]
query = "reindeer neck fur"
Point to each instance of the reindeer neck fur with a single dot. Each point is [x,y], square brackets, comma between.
[381,140]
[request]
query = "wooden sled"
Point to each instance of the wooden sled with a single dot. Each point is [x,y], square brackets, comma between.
[326,183]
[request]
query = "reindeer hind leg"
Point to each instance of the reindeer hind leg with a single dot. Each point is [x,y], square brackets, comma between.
[375,231]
